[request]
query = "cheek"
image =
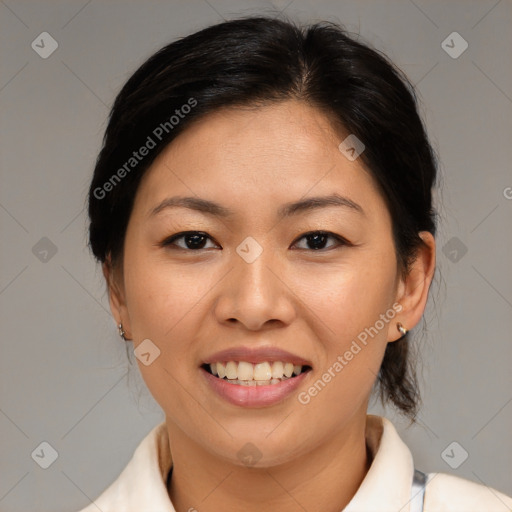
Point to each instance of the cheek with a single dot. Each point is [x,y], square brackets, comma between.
[161,297]
[163,307]
[353,310]
[350,297]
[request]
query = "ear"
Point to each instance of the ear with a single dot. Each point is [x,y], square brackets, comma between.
[412,290]
[116,296]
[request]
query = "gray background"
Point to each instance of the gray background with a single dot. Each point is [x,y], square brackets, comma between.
[63,370]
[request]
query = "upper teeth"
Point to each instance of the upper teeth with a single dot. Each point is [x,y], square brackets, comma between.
[243,370]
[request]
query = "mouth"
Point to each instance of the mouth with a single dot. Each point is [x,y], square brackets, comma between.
[265,373]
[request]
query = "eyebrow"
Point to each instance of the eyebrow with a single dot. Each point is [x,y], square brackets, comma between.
[214,209]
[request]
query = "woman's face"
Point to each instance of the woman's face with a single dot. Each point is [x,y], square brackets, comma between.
[256,284]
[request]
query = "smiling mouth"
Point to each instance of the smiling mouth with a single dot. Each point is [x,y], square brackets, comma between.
[266,373]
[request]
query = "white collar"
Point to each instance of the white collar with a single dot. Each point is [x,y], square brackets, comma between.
[386,486]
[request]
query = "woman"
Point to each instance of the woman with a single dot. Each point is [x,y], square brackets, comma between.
[262,211]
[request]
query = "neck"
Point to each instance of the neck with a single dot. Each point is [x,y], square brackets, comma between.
[325,479]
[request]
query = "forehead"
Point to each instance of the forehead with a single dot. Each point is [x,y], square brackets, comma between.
[259,156]
[292,130]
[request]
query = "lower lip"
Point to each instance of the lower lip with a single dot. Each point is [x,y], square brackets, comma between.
[253,396]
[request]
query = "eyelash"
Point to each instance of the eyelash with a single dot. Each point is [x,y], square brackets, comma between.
[341,241]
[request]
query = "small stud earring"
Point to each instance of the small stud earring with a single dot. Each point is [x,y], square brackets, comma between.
[403,331]
[121,331]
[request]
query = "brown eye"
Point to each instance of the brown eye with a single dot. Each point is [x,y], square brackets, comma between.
[317,240]
[193,240]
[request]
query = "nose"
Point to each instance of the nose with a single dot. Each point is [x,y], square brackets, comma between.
[256,295]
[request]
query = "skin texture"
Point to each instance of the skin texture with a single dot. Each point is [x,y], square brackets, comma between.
[312,302]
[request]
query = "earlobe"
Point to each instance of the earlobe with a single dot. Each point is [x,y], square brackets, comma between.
[412,293]
[116,297]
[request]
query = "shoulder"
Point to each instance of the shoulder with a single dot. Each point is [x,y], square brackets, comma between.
[141,484]
[449,493]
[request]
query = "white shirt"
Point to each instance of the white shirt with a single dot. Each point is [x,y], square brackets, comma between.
[141,486]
